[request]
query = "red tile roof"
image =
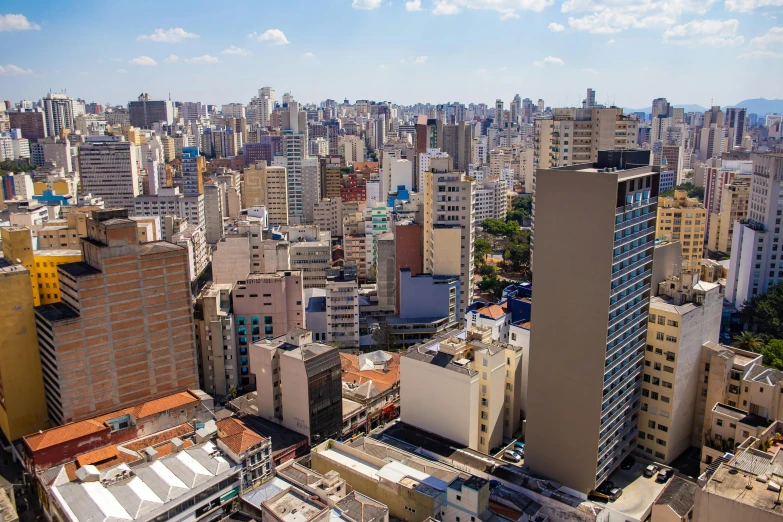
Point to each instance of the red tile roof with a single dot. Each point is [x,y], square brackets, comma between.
[494,311]
[237,436]
[382,380]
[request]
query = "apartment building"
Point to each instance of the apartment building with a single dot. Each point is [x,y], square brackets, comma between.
[683,219]
[756,254]
[733,208]
[449,229]
[108,168]
[472,385]
[342,307]
[170,201]
[573,136]
[63,233]
[311,254]
[330,171]
[124,330]
[22,400]
[491,200]
[267,186]
[685,314]
[601,353]
[298,384]
[328,215]
[216,346]
[356,253]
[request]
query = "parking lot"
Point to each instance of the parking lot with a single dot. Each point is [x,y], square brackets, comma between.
[509,446]
[639,492]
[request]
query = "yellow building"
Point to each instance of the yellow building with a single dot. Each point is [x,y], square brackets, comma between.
[22,400]
[136,136]
[734,207]
[41,264]
[268,186]
[683,219]
[59,187]
[169,149]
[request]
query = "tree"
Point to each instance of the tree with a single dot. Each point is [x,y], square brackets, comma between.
[500,228]
[773,353]
[764,313]
[233,392]
[493,286]
[481,248]
[692,190]
[384,339]
[518,254]
[487,271]
[748,341]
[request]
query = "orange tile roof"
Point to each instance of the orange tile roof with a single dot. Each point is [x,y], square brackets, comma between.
[181,431]
[237,436]
[75,430]
[494,311]
[382,380]
[99,455]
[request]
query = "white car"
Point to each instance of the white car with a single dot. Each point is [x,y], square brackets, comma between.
[512,455]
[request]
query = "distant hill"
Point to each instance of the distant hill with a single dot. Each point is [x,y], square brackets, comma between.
[761,106]
[689,107]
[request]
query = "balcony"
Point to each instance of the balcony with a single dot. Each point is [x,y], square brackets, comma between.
[636,235]
[627,390]
[635,345]
[629,297]
[628,284]
[633,221]
[613,379]
[625,409]
[636,204]
[628,328]
[632,252]
[628,313]
[633,266]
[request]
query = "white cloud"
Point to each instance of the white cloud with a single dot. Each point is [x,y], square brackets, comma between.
[444,8]
[758,46]
[381,67]
[173,58]
[555,27]
[481,71]
[750,5]
[144,60]
[714,33]
[237,50]
[366,4]
[16,22]
[173,35]
[122,71]
[13,70]
[413,5]
[420,59]
[509,15]
[549,60]
[610,42]
[271,36]
[590,71]
[202,59]
[612,16]
[308,55]
[758,55]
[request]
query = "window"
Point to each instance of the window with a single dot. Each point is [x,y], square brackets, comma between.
[661,320]
[659,336]
[671,339]
[661,442]
[483,428]
[651,424]
[719,422]
[663,428]
[657,366]
[666,384]
[672,323]
[652,318]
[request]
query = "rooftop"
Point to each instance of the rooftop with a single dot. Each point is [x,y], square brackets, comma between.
[380,368]
[747,479]
[158,247]
[679,496]
[79,269]
[56,312]
[60,252]
[764,375]
[292,505]
[729,411]
[237,436]
[360,508]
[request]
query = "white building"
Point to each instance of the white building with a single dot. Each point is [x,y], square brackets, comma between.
[342,308]
[170,202]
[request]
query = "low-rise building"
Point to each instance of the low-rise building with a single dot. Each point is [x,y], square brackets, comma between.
[371,381]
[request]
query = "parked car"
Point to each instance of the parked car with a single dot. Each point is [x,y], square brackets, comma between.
[519,445]
[512,455]
[607,491]
[615,493]
[650,470]
[628,462]
[664,475]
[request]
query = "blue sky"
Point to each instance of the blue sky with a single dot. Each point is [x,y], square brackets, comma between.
[630,51]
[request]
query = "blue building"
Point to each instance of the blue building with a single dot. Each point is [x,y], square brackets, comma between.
[402,194]
[50,198]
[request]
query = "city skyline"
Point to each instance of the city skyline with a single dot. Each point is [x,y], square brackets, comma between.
[537,48]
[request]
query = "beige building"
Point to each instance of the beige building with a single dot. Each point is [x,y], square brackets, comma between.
[573,136]
[733,208]
[472,384]
[268,305]
[299,384]
[216,340]
[311,253]
[683,219]
[267,186]
[602,219]
[342,308]
[352,149]
[124,330]
[684,315]
[63,233]
[356,253]
[449,230]
[328,215]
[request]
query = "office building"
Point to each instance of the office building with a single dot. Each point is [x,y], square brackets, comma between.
[457,141]
[124,300]
[311,254]
[294,142]
[342,307]
[755,263]
[449,230]
[22,400]
[328,215]
[52,149]
[299,384]
[214,211]
[735,122]
[108,168]
[192,171]
[191,111]
[59,112]
[474,385]
[601,352]
[331,176]
[352,149]
[170,202]
[31,123]
[267,186]
[262,107]
[685,314]
[683,219]
[145,112]
[311,187]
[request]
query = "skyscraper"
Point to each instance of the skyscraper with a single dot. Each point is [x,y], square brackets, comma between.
[146,111]
[192,172]
[589,372]
[294,151]
[735,119]
[108,169]
[58,109]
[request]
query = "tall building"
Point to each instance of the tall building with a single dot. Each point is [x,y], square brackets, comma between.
[192,172]
[475,388]
[601,352]
[457,142]
[145,112]
[267,186]
[449,225]
[123,332]
[735,121]
[684,315]
[33,124]
[58,109]
[108,168]
[683,219]
[331,175]
[262,107]
[342,307]
[214,211]
[733,208]
[216,340]
[22,400]
[294,152]
[574,136]
[299,384]
[755,265]
[311,187]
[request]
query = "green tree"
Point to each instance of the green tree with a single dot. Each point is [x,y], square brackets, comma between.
[384,339]
[773,353]
[500,228]
[764,313]
[518,254]
[233,392]
[693,191]
[481,248]
[748,341]
[487,271]
[493,286]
